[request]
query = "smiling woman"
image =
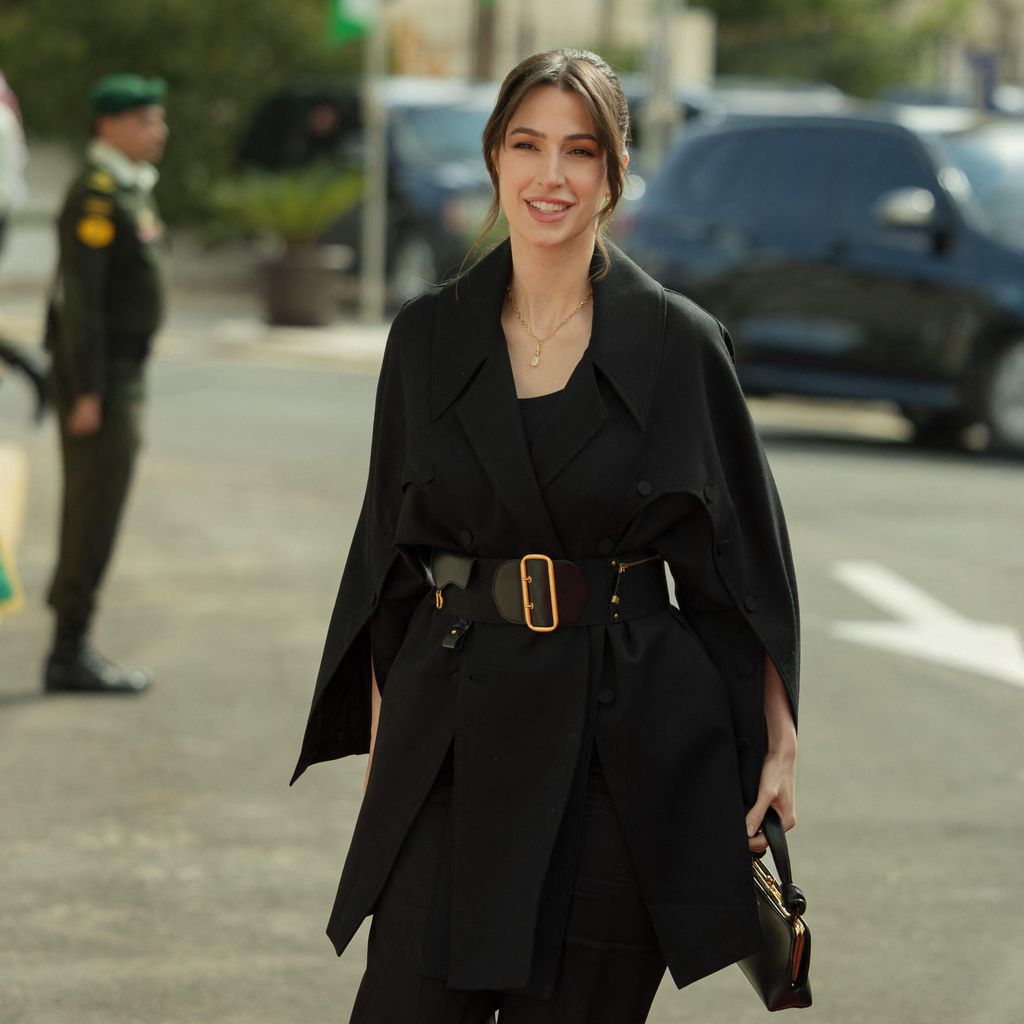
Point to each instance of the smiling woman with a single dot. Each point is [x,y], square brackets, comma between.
[567,107]
[556,753]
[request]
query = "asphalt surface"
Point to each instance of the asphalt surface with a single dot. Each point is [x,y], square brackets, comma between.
[157,869]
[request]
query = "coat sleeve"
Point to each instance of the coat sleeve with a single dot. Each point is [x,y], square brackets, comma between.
[756,562]
[733,566]
[378,589]
[87,228]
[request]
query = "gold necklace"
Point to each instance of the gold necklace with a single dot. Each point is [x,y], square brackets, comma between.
[535,360]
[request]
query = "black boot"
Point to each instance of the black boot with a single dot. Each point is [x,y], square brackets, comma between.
[74,666]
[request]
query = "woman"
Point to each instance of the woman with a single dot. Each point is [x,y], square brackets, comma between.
[567,773]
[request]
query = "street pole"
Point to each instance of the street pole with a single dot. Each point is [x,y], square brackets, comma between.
[660,112]
[483,34]
[373,243]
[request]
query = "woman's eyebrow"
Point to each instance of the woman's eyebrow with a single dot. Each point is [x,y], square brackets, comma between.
[541,135]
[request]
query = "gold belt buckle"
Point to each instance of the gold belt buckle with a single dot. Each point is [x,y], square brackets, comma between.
[526,580]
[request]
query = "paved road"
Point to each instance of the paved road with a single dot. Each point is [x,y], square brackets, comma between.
[156,869]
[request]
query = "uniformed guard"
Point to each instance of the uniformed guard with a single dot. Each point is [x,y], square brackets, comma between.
[108,304]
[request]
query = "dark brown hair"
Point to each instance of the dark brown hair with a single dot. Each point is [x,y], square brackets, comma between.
[592,79]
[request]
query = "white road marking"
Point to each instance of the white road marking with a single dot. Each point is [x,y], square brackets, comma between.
[926,628]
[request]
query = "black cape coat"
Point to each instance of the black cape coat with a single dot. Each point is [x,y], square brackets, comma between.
[649,447]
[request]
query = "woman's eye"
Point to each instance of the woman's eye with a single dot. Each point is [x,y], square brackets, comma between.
[524,145]
[580,151]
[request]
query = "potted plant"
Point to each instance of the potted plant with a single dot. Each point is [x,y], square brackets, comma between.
[301,280]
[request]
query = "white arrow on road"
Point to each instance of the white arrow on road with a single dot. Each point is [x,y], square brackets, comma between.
[926,628]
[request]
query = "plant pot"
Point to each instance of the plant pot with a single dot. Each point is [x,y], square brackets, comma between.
[301,285]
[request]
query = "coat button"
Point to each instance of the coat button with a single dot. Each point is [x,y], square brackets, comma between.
[427,475]
[644,487]
[465,538]
[750,602]
[709,493]
[605,546]
[743,744]
[606,696]
[745,667]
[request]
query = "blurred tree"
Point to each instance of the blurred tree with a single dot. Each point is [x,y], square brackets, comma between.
[220,60]
[862,46]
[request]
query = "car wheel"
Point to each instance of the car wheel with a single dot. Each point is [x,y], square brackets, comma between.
[413,269]
[1003,398]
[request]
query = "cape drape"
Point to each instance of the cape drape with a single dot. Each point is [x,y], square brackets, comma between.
[649,447]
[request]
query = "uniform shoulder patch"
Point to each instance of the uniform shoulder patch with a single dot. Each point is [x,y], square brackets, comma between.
[95,231]
[101,181]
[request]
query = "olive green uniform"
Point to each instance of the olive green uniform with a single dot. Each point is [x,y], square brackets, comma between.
[109,306]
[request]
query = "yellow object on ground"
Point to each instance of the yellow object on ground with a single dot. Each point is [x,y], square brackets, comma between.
[13,487]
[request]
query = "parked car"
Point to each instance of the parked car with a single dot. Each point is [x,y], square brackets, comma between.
[873,254]
[438,188]
[727,97]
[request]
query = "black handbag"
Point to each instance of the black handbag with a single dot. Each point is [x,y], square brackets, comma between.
[778,971]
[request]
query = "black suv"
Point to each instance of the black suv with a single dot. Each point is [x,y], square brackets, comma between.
[875,254]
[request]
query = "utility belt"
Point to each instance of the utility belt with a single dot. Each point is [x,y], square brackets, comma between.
[545,594]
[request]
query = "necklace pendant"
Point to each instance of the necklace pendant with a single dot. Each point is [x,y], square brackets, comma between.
[535,361]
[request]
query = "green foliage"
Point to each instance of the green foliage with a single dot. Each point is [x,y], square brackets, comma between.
[219,58]
[862,46]
[295,206]
[623,59]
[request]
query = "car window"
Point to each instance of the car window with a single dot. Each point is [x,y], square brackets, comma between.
[765,179]
[786,188]
[872,164]
[683,178]
[991,159]
[442,134]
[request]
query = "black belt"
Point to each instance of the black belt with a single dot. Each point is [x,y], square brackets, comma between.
[545,594]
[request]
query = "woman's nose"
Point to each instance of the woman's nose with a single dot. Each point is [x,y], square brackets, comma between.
[553,171]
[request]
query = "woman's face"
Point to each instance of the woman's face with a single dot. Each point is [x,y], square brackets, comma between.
[551,171]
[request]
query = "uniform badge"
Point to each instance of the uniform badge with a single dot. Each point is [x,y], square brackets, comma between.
[101,181]
[94,231]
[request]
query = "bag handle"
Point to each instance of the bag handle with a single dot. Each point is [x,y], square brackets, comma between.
[793,898]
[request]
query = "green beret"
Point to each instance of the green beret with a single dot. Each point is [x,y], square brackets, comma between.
[115,93]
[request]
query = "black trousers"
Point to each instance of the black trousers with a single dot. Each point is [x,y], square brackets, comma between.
[98,471]
[610,966]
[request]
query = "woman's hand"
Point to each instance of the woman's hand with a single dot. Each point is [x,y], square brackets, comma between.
[777,787]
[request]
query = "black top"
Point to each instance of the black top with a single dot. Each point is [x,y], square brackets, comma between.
[534,411]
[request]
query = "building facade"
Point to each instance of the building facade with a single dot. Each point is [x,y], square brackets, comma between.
[462,37]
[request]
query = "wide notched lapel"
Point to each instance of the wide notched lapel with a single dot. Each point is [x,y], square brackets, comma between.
[471,368]
[629,331]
